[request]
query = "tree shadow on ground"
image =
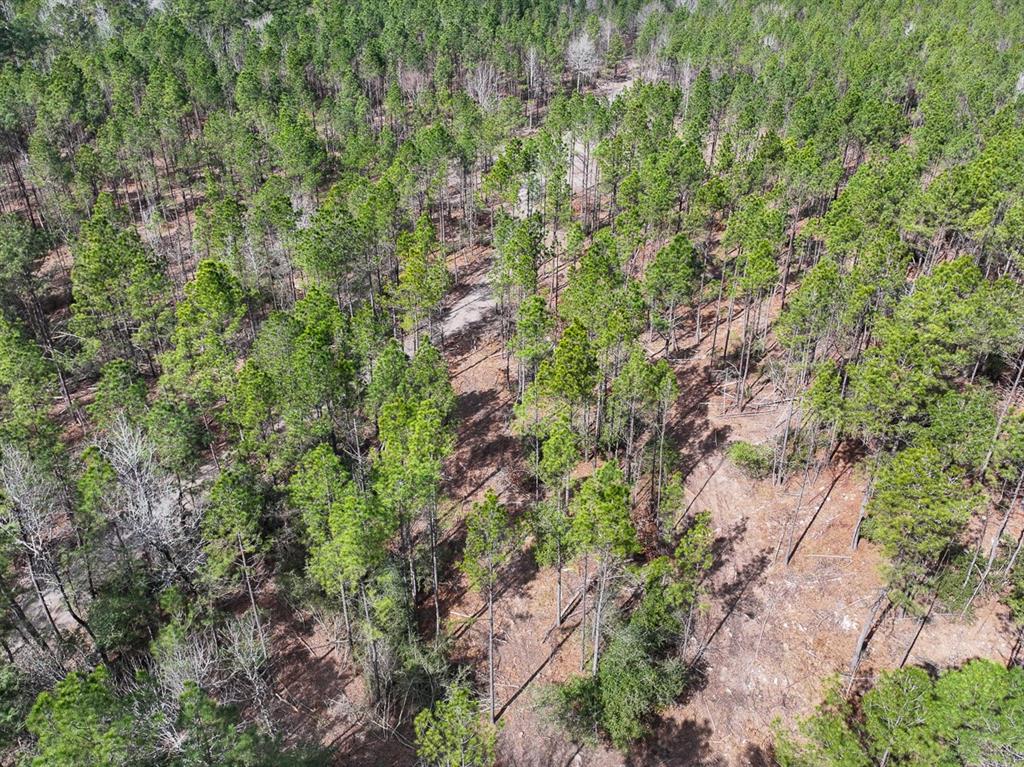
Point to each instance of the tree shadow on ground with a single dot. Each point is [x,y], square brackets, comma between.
[554,750]
[482,441]
[512,582]
[370,749]
[676,744]
[757,756]
[460,344]
[732,590]
[723,546]
[687,427]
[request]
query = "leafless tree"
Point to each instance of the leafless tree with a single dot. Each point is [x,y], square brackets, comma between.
[148,513]
[248,663]
[647,13]
[652,65]
[45,667]
[229,664]
[304,204]
[161,681]
[607,30]
[534,76]
[412,82]
[332,624]
[192,660]
[483,85]
[35,501]
[687,76]
[581,56]
[260,23]
[30,496]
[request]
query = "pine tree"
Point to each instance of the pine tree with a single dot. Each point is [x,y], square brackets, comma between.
[121,294]
[491,541]
[602,528]
[450,734]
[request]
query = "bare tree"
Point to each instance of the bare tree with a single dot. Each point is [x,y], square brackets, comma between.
[651,68]
[534,75]
[483,85]
[35,500]
[229,664]
[412,82]
[191,660]
[687,76]
[148,513]
[581,56]
[28,515]
[248,663]
[157,688]
[45,667]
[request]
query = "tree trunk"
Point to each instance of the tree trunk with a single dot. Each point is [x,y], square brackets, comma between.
[374,663]
[21,616]
[42,601]
[348,622]
[603,578]
[490,644]
[869,623]
[433,568]
[252,596]
[1002,416]
[583,613]
[84,624]
[863,510]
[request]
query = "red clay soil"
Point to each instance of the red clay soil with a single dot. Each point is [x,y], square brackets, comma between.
[773,634]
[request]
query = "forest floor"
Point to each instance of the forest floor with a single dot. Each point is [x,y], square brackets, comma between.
[773,633]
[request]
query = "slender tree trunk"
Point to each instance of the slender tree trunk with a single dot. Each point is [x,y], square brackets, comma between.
[252,596]
[1002,416]
[433,568]
[34,578]
[583,613]
[728,328]
[1015,555]
[862,639]
[558,586]
[371,641]
[993,549]
[490,642]
[603,578]
[348,622]
[741,384]
[780,463]
[789,254]
[19,612]
[410,561]
[77,618]
[869,490]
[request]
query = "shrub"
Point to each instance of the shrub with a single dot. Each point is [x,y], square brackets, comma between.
[631,686]
[753,460]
